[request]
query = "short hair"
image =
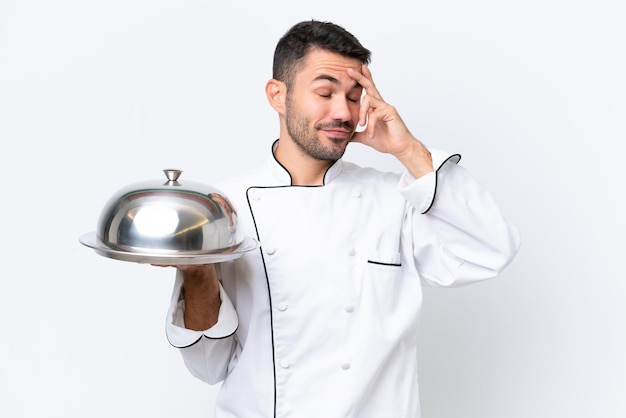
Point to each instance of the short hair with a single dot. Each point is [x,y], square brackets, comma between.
[311,34]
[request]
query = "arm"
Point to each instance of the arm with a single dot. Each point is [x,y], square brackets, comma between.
[385,131]
[201,293]
[458,233]
[201,322]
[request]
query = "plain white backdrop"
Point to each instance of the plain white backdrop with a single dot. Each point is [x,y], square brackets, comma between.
[96,95]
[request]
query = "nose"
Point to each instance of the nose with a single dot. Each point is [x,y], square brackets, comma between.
[342,109]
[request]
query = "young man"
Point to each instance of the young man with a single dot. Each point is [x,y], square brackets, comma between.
[322,320]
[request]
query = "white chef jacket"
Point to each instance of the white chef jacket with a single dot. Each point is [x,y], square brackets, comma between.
[322,320]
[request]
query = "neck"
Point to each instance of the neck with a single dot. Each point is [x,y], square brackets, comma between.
[303,169]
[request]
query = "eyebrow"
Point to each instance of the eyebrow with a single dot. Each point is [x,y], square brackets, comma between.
[333,80]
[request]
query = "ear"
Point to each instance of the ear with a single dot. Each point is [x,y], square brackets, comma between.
[276,92]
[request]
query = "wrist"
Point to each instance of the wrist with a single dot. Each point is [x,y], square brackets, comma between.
[416,158]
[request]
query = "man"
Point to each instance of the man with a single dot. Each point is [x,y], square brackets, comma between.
[322,320]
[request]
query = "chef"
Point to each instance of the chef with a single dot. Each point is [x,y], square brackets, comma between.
[322,320]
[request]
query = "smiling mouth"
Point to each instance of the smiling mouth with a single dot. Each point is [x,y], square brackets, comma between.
[336,126]
[338,137]
[338,132]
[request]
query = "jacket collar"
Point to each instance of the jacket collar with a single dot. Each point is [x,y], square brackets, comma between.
[283,178]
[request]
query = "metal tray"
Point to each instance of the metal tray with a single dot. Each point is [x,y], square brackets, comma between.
[91,240]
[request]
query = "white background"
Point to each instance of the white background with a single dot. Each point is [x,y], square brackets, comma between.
[95,95]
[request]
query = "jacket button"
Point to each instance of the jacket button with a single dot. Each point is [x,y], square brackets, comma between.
[283,307]
[356,193]
[345,366]
[352,252]
[271,251]
[284,364]
[349,308]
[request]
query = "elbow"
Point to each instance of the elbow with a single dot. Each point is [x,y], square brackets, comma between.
[482,262]
[497,257]
[208,359]
[209,376]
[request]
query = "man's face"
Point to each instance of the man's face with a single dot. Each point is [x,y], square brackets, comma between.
[322,107]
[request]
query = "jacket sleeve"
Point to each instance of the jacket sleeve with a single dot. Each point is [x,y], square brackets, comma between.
[207,354]
[458,234]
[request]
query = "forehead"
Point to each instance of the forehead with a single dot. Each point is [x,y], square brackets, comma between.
[320,63]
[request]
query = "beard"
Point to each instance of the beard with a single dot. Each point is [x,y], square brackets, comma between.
[308,140]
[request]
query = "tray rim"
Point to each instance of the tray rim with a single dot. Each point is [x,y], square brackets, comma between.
[92,241]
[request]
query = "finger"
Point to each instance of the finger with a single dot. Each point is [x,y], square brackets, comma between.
[369,106]
[372,121]
[365,80]
[366,135]
[367,73]
[364,111]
